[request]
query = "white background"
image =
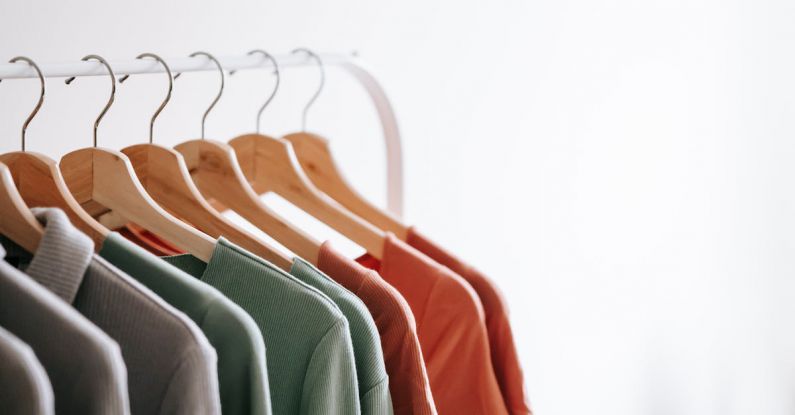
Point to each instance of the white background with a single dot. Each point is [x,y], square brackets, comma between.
[623,169]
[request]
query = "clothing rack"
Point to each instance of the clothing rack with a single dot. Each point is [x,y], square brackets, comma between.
[350,64]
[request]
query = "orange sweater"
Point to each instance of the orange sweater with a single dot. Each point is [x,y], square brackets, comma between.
[408,380]
[503,351]
[451,328]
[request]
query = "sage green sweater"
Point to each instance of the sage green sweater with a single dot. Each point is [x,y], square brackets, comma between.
[310,358]
[242,373]
[370,369]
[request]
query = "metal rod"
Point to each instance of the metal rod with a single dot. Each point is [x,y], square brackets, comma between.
[347,63]
[137,66]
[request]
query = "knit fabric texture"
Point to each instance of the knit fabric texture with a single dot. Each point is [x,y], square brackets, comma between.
[451,328]
[408,381]
[24,386]
[504,358]
[242,372]
[370,370]
[84,365]
[310,358]
[171,366]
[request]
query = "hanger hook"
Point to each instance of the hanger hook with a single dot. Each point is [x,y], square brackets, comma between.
[41,94]
[270,58]
[314,56]
[220,91]
[104,63]
[168,95]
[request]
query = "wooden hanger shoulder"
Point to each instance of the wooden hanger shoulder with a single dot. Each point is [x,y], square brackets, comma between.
[17,221]
[163,173]
[216,172]
[315,156]
[105,180]
[271,166]
[41,184]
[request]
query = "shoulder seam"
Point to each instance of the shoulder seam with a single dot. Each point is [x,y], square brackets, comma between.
[286,276]
[142,294]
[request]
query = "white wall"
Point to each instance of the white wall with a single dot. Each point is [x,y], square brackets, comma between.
[623,169]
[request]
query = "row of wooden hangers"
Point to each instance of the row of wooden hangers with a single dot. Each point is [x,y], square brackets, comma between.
[179,193]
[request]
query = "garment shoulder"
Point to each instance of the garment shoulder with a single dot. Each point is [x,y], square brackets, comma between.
[231,320]
[366,344]
[104,375]
[354,310]
[160,315]
[330,384]
[95,362]
[451,290]
[193,387]
[488,292]
[325,312]
[23,377]
[385,300]
[256,265]
[454,310]
[362,314]
[44,307]
[335,337]
[377,399]
[16,355]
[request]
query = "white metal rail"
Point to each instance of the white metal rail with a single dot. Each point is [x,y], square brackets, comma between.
[349,64]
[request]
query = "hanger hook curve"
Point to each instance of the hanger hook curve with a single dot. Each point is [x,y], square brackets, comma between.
[270,58]
[314,56]
[41,94]
[220,91]
[168,95]
[104,63]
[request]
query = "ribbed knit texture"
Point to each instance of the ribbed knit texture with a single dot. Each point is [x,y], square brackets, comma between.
[408,381]
[84,365]
[171,366]
[504,358]
[237,340]
[311,366]
[24,386]
[370,370]
[451,328]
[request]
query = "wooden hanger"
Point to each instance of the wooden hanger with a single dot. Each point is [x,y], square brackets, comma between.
[314,154]
[270,165]
[216,172]
[165,176]
[16,220]
[104,180]
[41,184]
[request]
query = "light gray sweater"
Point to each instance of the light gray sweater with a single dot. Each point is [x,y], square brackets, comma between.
[83,363]
[24,386]
[171,365]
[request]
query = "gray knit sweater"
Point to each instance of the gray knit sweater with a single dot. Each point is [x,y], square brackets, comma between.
[170,363]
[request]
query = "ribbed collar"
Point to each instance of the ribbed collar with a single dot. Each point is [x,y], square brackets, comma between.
[62,257]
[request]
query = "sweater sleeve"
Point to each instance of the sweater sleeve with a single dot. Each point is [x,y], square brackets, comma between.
[330,385]
[377,400]
[194,385]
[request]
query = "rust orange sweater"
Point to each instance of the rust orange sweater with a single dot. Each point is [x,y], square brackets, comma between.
[451,328]
[408,380]
[503,351]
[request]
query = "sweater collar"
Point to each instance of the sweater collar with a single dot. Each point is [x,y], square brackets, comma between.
[63,255]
